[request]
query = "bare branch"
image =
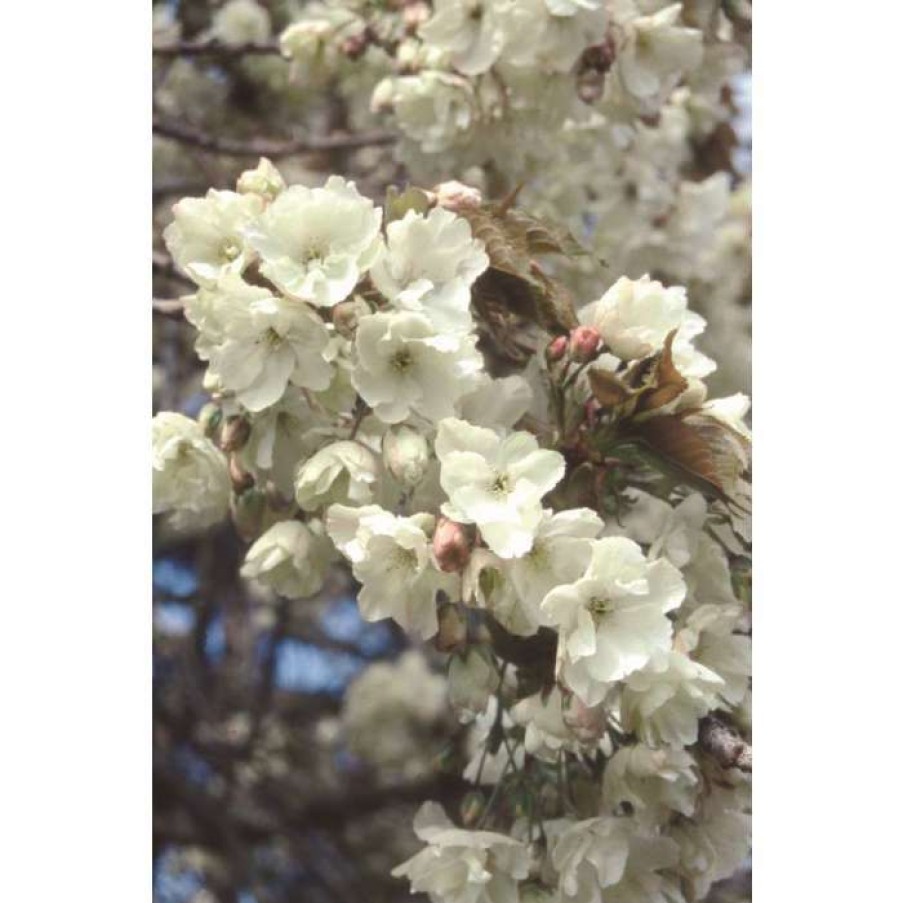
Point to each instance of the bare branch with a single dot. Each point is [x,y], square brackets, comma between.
[724,744]
[264,147]
[169,307]
[213,47]
[164,266]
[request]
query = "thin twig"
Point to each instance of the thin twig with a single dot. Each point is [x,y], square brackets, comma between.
[214,47]
[164,266]
[169,307]
[264,147]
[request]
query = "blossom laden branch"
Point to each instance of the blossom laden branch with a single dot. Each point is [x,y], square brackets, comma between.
[265,147]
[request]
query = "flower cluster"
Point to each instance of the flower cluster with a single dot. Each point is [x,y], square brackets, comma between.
[616,115]
[552,501]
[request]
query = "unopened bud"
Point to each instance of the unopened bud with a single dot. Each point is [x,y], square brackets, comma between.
[345,316]
[355,45]
[584,343]
[235,434]
[452,631]
[557,349]
[265,180]
[451,545]
[414,15]
[241,479]
[472,808]
[588,723]
[210,418]
[457,196]
[406,455]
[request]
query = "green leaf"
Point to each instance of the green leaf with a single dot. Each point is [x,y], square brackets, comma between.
[398,203]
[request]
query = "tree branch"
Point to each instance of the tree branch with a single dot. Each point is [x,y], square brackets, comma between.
[214,47]
[724,744]
[164,266]
[263,147]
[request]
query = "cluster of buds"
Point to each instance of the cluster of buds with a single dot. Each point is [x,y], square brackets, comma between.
[582,345]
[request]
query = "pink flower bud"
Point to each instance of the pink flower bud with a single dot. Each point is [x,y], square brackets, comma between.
[451,545]
[584,343]
[458,196]
[587,723]
[557,349]
[355,45]
[235,434]
[241,479]
[414,15]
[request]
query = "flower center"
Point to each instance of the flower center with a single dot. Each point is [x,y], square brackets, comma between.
[402,360]
[403,559]
[598,607]
[272,338]
[501,485]
[314,249]
[230,250]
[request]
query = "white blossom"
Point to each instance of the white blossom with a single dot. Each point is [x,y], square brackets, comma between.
[191,481]
[470,30]
[635,316]
[613,619]
[662,704]
[670,532]
[291,558]
[657,51]
[264,180]
[267,343]
[344,471]
[559,554]
[241,22]
[612,860]
[432,108]
[459,866]
[207,235]
[497,403]
[281,436]
[714,843]
[404,366]
[391,557]
[546,731]
[653,782]
[496,483]
[708,638]
[428,266]
[731,412]
[316,243]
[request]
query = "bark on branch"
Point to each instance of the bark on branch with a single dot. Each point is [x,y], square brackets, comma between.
[264,147]
[724,744]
